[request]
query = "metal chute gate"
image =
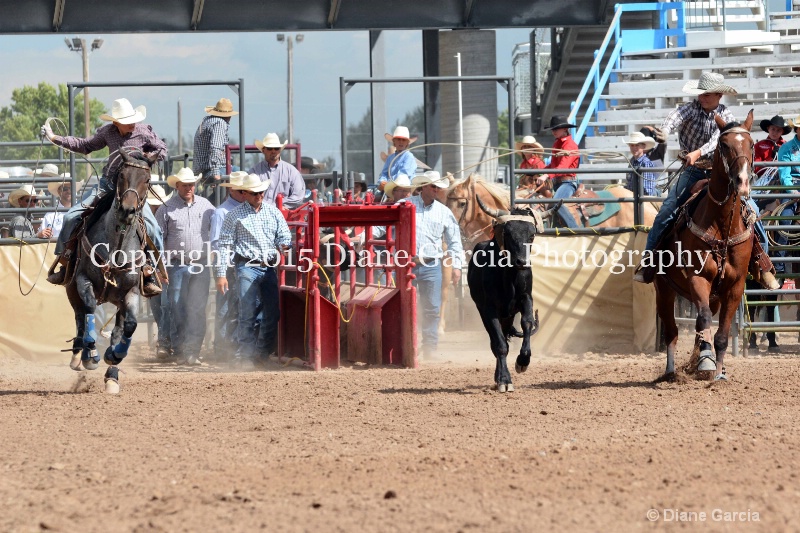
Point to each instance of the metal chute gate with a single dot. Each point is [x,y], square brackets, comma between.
[376,322]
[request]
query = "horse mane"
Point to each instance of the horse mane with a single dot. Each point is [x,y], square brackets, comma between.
[730,125]
[496,190]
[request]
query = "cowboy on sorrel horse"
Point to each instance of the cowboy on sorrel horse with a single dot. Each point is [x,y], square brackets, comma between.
[714,226]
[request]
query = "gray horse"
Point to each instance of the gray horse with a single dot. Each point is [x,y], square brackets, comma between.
[108,264]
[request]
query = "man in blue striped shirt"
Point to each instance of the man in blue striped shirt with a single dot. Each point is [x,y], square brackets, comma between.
[254,233]
[434,222]
[185,220]
[402,161]
[227,303]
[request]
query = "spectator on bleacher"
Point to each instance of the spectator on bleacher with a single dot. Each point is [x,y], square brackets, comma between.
[254,232]
[283,178]
[26,198]
[227,308]
[566,155]
[639,144]
[126,130]
[209,144]
[62,192]
[185,220]
[402,161]
[159,305]
[698,136]
[531,153]
[767,149]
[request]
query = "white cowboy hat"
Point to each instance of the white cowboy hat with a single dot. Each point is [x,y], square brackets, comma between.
[795,123]
[236,179]
[224,108]
[709,82]
[47,171]
[431,177]
[253,183]
[184,175]
[152,199]
[123,112]
[638,137]
[401,132]
[530,139]
[270,141]
[53,186]
[401,181]
[25,190]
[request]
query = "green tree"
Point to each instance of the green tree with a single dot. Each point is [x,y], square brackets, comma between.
[502,129]
[359,145]
[31,107]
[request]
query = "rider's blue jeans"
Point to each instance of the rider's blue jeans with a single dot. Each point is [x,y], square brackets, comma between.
[566,190]
[73,216]
[678,194]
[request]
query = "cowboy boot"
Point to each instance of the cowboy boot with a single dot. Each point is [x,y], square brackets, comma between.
[761,268]
[58,277]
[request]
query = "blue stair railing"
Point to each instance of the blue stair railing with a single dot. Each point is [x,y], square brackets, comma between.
[623,41]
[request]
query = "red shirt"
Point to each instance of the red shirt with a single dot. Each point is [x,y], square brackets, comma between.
[532,163]
[766,150]
[564,161]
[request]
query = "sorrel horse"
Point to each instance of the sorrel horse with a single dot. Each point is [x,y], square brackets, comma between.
[476,226]
[714,226]
[110,256]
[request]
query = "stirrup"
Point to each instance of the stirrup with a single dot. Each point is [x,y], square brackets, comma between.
[58,277]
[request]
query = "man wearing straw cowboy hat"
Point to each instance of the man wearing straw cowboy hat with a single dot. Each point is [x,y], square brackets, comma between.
[185,221]
[434,222]
[565,156]
[52,221]
[227,308]
[252,236]
[698,136]
[210,140]
[284,178]
[126,130]
[402,161]
[639,144]
[21,225]
[397,190]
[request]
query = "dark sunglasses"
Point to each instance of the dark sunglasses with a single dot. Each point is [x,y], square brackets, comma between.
[270,148]
[27,199]
[63,188]
[251,193]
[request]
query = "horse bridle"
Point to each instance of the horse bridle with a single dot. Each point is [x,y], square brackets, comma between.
[724,156]
[120,195]
[470,193]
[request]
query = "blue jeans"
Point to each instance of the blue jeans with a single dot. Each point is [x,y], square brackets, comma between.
[73,216]
[566,190]
[227,317]
[258,291]
[429,295]
[761,233]
[159,306]
[187,296]
[678,194]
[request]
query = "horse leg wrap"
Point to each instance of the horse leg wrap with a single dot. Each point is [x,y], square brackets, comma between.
[706,360]
[89,333]
[121,349]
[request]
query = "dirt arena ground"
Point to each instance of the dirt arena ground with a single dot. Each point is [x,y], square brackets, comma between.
[586,443]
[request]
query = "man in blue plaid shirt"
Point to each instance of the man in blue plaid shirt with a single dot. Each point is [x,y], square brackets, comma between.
[210,141]
[253,234]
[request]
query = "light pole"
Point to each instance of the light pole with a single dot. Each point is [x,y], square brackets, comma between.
[290,80]
[79,45]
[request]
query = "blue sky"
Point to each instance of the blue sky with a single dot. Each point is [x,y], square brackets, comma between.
[259,58]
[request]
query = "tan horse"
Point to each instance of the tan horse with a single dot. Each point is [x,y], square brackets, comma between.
[476,226]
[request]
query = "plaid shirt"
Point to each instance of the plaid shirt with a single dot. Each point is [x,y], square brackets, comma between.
[648,178]
[696,128]
[434,222]
[254,235]
[143,137]
[219,217]
[186,227]
[209,146]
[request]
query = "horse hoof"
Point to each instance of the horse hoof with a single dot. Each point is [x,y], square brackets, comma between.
[110,358]
[721,377]
[510,388]
[520,369]
[502,387]
[75,362]
[112,386]
[90,359]
[706,363]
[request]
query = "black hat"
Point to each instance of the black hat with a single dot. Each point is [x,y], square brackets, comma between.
[777,120]
[560,121]
[648,132]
